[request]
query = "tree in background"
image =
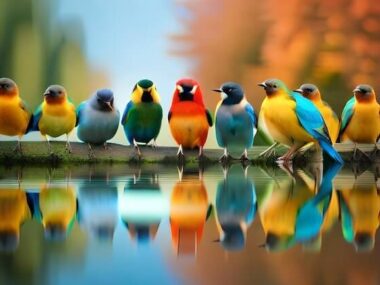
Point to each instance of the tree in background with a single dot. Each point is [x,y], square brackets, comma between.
[334,44]
[37,51]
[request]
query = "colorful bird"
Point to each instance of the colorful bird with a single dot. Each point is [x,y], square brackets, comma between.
[189,120]
[14,115]
[361,118]
[311,92]
[236,207]
[97,119]
[56,116]
[235,121]
[143,115]
[294,120]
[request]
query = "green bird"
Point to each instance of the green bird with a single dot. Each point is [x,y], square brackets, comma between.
[143,115]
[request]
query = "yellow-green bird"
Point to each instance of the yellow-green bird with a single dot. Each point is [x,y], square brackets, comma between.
[361,118]
[14,115]
[56,115]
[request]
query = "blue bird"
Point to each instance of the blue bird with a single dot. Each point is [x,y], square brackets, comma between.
[236,206]
[97,119]
[235,121]
[294,120]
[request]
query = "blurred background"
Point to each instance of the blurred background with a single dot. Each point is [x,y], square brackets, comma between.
[85,45]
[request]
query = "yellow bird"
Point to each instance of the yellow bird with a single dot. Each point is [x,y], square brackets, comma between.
[311,92]
[56,116]
[14,211]
[14,116]
[361,118]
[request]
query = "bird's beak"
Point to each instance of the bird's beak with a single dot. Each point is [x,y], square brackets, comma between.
[217,90]
[109,105]
[47,93]
[356,90]
[262,85]
[298,91]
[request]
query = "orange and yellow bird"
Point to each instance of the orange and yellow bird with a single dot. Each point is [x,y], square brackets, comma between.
[311,92]
[361,118]
[14,116]
[189,120]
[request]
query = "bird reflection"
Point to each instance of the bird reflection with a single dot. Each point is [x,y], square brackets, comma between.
[297,209]
[55,207]
[97,207]
[235,207]
[188,213]
[143,206]
[360,208]
[14,211]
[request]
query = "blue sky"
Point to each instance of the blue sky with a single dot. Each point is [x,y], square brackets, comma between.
[130,40]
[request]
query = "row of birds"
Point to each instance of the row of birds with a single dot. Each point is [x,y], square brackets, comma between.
[297,119]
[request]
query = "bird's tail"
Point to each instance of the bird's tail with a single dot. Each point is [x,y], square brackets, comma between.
[330,150]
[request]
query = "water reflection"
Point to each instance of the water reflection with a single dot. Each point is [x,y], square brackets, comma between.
[98,207]
[360,209]
[188,212]
[235,207]
[55,208]
[143,206]
[14,211]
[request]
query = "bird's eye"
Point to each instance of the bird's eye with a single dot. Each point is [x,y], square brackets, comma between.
[274,86]
[6,86]
[229,90]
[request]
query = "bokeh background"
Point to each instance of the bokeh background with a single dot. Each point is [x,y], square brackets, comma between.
[85,45]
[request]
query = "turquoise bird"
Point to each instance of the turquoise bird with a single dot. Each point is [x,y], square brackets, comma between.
[143,115]
[361,118]
[294,120]
[56,116]
[97,119]
[235,121]
[236,206]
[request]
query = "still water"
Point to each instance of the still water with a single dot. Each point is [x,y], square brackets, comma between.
[120,224]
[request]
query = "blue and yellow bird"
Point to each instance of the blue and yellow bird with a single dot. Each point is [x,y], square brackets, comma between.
[311,92]
[143,115]
[235,121]
[14,115]
[56,115]
[97,119]
[189,120]
[294,120]
[361,118]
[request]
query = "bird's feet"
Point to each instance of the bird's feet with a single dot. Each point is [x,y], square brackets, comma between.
[373,154]
[137,149]
[225,158]
[153,144]
[180,155]
[106,146]
[91,154]
[358,154]
[17,148]
[68,147]
[270,151]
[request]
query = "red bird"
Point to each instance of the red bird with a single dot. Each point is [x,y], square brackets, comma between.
[189,120]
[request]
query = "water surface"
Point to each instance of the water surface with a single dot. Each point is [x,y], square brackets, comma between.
[96,224]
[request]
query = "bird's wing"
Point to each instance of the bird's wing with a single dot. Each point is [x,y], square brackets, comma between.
[79,111]
[33,124]
[251,112]
[126,111]
[209,118]
[310,118]
[347,113]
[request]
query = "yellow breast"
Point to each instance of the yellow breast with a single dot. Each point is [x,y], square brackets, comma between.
[57,120]
[281,120]
[364,126]
[331,120]
[13,119]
